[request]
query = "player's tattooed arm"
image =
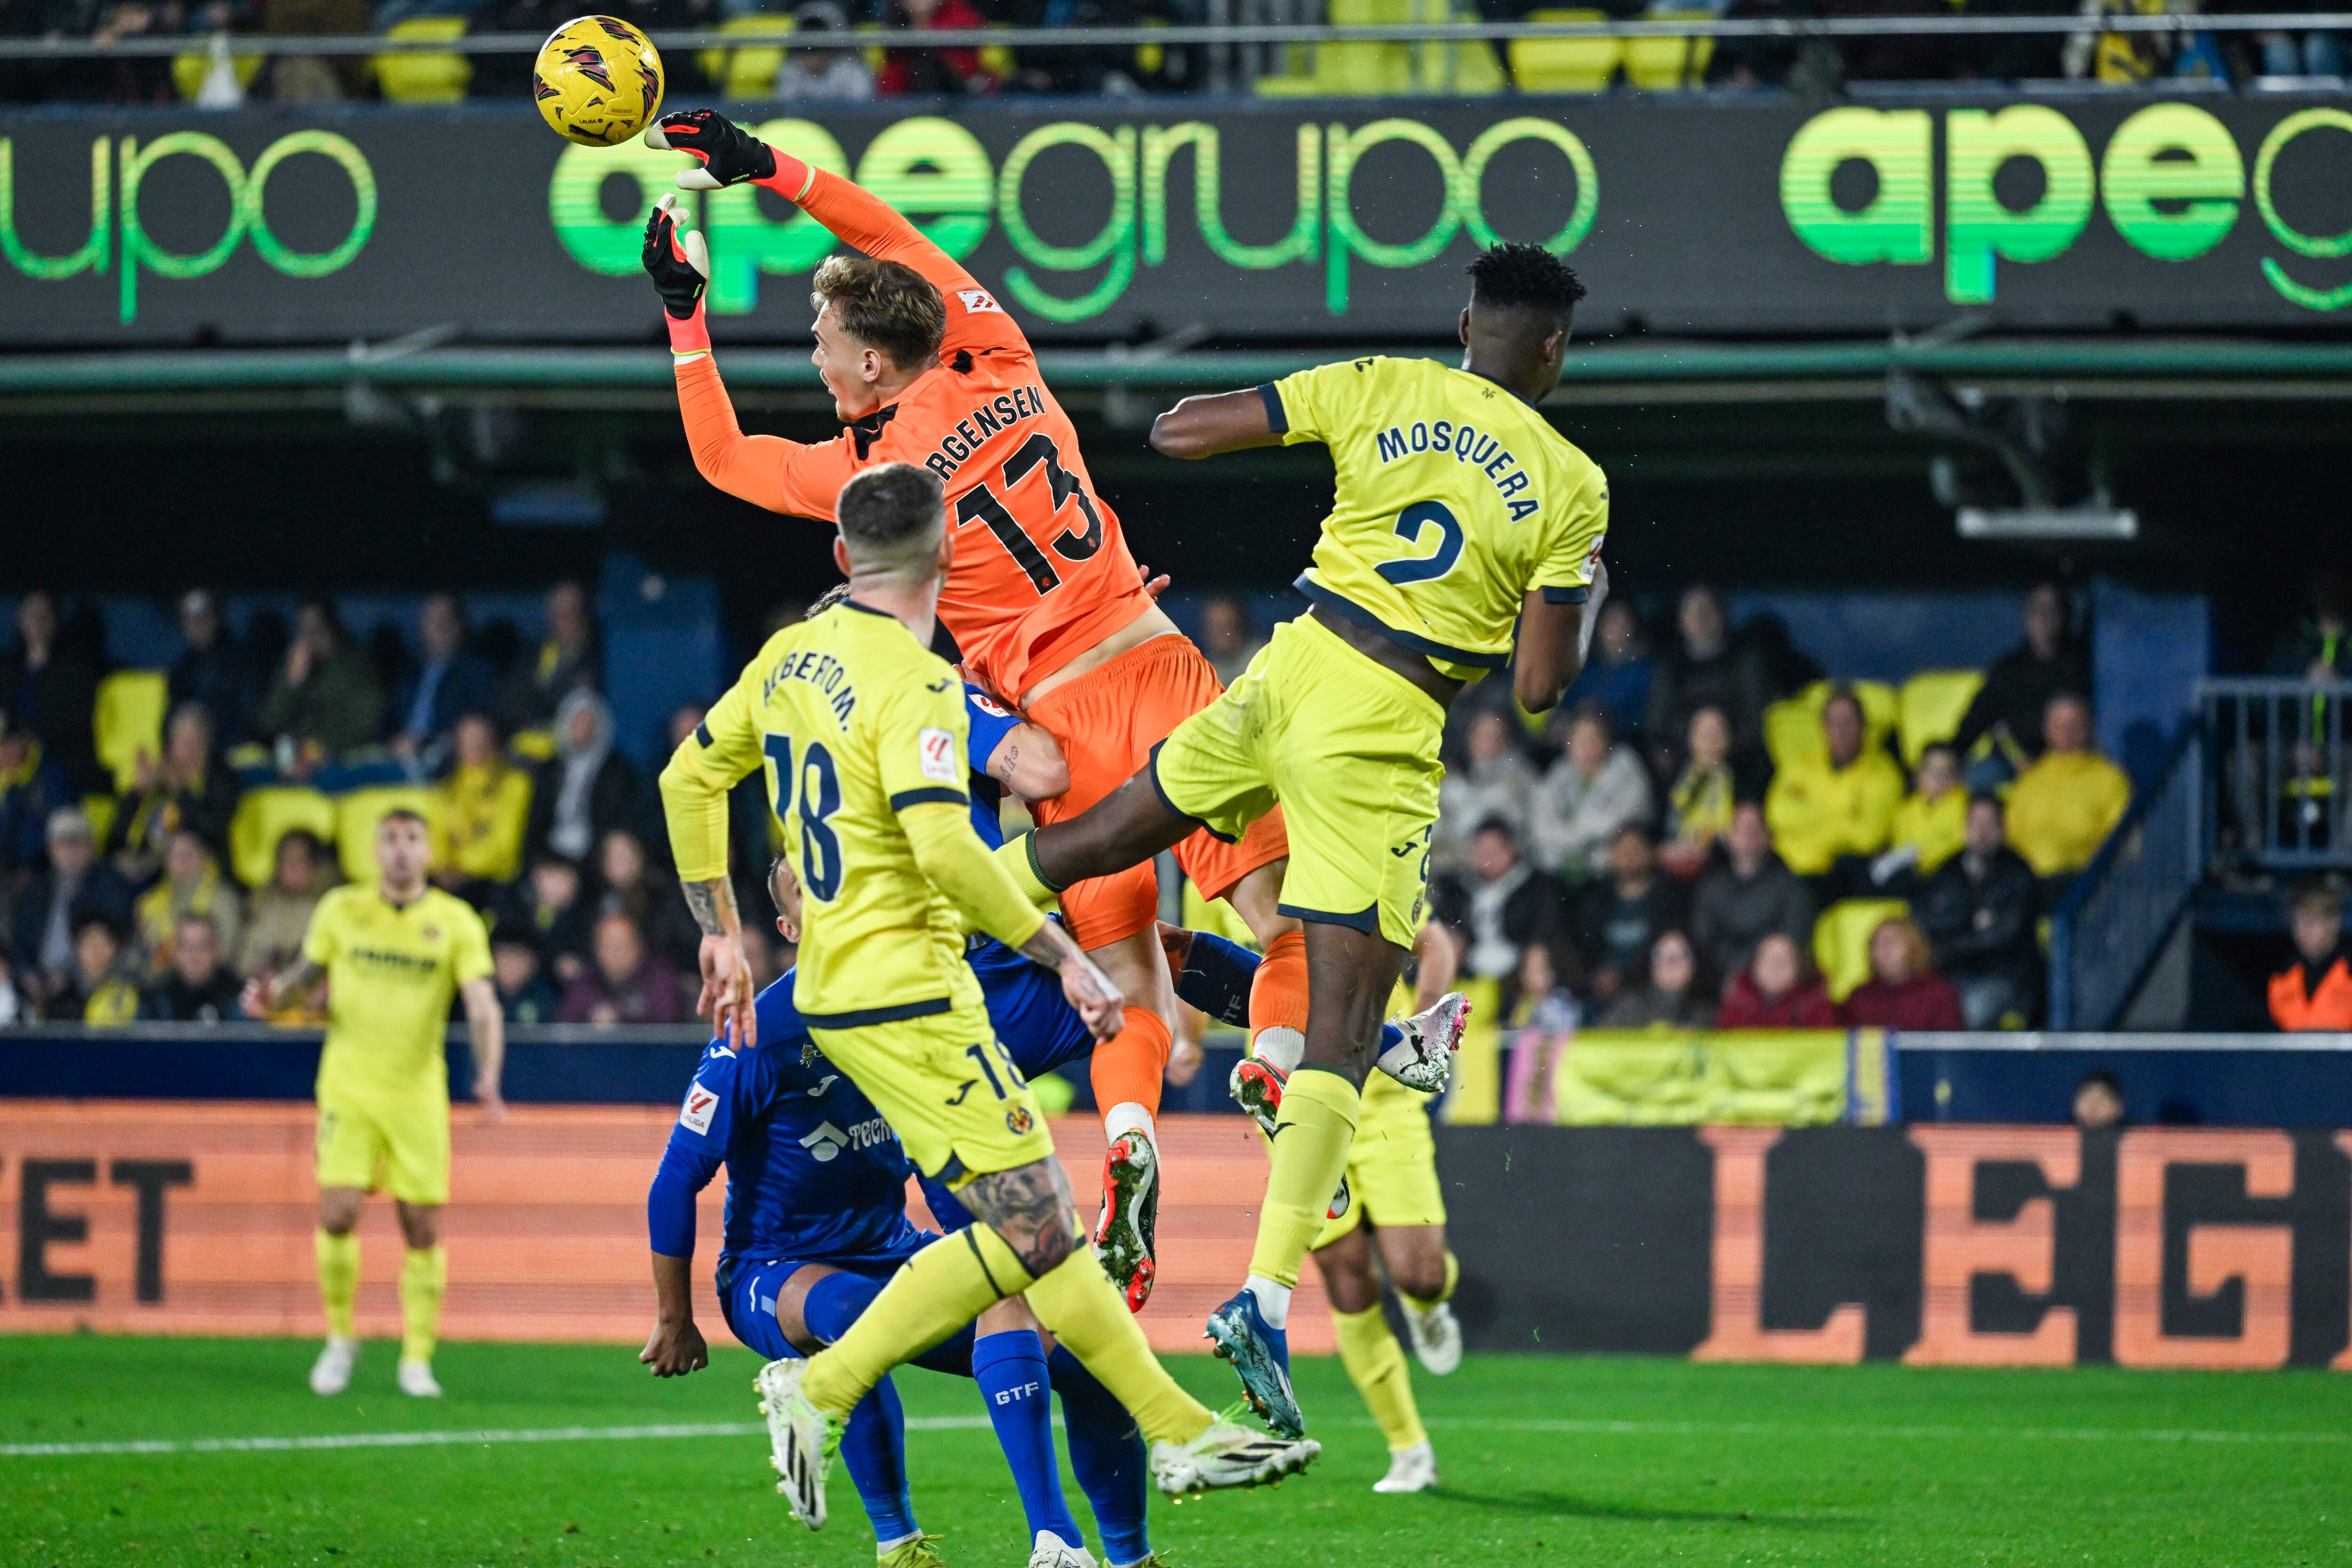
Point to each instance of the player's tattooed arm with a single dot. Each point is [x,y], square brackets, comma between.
[1032,1208]
[1089,992]
[266,993]
[1029,763]
[725,996]
[713,903]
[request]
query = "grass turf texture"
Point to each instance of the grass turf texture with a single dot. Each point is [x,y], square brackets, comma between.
[1553,1459]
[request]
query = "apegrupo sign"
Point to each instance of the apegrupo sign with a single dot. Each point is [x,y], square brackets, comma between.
[1339,220]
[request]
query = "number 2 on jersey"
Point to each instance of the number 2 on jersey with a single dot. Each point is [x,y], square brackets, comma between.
[1423,568]
[981,502]
[820,797]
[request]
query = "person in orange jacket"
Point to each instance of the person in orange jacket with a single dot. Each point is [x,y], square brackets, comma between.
[2315,991]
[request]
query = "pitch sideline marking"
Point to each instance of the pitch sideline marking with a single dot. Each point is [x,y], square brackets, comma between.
[980,1423]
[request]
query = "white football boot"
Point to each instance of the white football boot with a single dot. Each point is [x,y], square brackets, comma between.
[1228,1454]
[331,1373]
[415,1380]
[802,1439]
[1052,1552]
[1436,1337]
[1412,1470]
[1424,1060]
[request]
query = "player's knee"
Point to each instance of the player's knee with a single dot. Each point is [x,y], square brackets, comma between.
[338,1214]
[1422,1279]
[421,1228]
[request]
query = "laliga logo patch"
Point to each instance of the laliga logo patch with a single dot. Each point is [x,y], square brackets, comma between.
[939,759]
[700,1105]
[826,1143]
[1018,1120]
[977,301]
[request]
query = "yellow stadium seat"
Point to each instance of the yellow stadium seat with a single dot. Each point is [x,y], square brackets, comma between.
[415,76]
[1841,941]
[749,72]
[189,70]
[1933,702]
[996,59]
[1566,65]
[356,816]
[1669,65]
[1792,726]
[267,815]
[99,809]
[127,719]
[1474,1097]
[1357,69]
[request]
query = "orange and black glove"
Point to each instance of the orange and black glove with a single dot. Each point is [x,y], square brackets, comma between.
[679,265]
[729,155]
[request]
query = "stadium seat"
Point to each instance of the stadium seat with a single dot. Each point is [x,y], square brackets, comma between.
[1353,70]
[996,59]
[1566,65]
[127,719]
[1933,702]
[356,816]
[1669,65]
[1792,726]
[189,70]
[1474,1097]
[1841,941]
[408,76]
[749,72]
[267,815]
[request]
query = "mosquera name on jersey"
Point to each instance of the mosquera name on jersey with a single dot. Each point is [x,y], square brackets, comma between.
[392,972]
[1455,498]
[855,723]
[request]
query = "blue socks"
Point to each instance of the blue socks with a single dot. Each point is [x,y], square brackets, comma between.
[1216,980]
[873,1445]
[1011,1371]
[1108,1454]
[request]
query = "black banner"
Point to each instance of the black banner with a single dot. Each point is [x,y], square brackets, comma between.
[1340,220]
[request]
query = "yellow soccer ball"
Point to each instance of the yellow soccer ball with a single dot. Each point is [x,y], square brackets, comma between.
[598,81]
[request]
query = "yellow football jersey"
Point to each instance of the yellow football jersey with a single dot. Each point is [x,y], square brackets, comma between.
[392,972]
[855,721]
[1454,499]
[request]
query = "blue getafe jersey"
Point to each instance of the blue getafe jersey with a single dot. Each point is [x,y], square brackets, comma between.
[990,725]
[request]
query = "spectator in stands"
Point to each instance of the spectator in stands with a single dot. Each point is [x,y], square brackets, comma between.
[94,989]
[1620,916]
[50,688]
[2065,805]
[449,683]
[1108,71]
[1545,1017]
[1706,667]
[550,907]
[1904,991]
[212,671]
[907,71]
[196,988]
[526,995]
[1494,782]
[186,789]
[1979,913]
[2020,686]
[629,883]
[1700,807]
[480,813]
[301,872]
[2314,991]
[568,659]
[2099,1103]
[1777,990]
[33,788]
[587,789]
[325,700]
[626,984]
[823,76]
[54,900]
[1749,896]
[1499,905]
[1595,789]
[1674,998]
[1228,635]
[1830,813]
[1618,674]
[192,884]
[2318,648]
[1930,825]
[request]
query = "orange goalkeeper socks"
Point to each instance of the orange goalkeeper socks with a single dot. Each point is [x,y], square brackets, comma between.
[1130,1067]
[1277,1004]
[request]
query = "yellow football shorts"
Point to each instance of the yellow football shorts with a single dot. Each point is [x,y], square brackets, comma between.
[1348,749]
[397,1143]
[947,1088]
[1392,1164]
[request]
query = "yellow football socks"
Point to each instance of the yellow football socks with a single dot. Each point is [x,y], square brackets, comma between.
[1078,1303]
[1311,1138]
[339,1280]
[1375,1363]
[1445,1294]
[423,1279]
[934,1293]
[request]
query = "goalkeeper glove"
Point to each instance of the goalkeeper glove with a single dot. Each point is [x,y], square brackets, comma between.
[729,155]
[681,267]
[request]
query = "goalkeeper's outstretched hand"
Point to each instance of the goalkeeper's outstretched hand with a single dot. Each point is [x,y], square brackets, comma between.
[729,153]
[679,265]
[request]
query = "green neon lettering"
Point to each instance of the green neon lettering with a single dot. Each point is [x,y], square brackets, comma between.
[2285,131]
[274,251]
[2135,175]
[1492,140]
[91,256]
[1346,149]
[575,207]
[1898,226]
[744,243]
[928,164]
[1161,144]
[1979,229]
[137,250]
[1115,242]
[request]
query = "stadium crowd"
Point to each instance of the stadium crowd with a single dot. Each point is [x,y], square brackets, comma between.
[1815,65]
[154,887]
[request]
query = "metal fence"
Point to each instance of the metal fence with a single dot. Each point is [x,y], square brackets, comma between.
[2119,913]
[2283,778]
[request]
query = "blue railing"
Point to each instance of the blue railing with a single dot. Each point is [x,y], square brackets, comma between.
[2121,911]
[2282,770]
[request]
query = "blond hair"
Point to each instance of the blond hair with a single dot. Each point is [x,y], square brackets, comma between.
[886,305]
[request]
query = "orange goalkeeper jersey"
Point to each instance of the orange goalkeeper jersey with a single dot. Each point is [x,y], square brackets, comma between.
[1045,574]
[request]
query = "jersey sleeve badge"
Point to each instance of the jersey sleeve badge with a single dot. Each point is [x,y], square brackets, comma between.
[701,1105]
[939,757]
[978,301]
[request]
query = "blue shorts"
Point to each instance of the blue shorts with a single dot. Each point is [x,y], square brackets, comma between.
[748,1287]
[1025,1003]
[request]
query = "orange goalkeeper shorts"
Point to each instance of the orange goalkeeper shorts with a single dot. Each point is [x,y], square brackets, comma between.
[1106,722]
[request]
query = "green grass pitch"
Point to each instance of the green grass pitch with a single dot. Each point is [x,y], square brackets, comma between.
[1546,1459]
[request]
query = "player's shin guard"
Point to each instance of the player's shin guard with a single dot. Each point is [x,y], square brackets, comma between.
[1445,1292]
[1376,1365]
[1010,1368]
[1108,1455]
[424,1280]
[1311,1138]
[338,1281]
[874,1450]
[1131,1065]
[1080,1305]
[1277,1002]
[936,1293]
